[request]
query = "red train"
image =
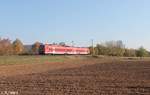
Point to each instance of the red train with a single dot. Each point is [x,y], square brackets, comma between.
[58,49]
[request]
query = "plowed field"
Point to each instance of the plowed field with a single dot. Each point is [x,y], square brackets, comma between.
[81,77]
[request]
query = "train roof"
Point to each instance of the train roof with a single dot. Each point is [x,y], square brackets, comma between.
[64,46]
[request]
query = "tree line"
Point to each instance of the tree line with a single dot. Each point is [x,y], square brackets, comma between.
[109,48]
[117,48]
[17,48]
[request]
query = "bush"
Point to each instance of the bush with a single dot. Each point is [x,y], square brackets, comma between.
[141,52]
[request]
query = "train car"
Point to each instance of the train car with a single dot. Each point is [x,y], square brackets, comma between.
[58,49]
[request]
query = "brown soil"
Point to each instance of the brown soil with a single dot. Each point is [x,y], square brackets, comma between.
[77,77]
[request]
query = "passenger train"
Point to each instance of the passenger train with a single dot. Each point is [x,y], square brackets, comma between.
[59,49]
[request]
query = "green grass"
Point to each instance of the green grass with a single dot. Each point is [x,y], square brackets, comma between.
[5,60]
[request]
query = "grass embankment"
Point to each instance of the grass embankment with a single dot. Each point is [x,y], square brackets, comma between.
[35,59]
[8,60]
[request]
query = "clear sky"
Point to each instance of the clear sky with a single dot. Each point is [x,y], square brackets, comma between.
[80,21]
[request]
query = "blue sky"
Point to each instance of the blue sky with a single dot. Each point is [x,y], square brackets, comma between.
[80,21]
